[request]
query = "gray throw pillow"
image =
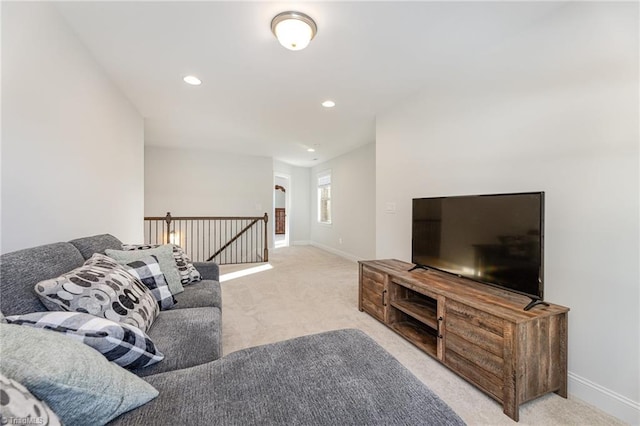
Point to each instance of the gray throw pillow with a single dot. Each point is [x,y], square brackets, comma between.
[124,344]
[188,273]
[165,259]
[74,380]
[103,288]
[18,406]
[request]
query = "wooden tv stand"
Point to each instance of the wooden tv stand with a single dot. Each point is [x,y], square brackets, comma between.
[480,332]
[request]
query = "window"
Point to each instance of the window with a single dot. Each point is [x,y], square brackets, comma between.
[324,197]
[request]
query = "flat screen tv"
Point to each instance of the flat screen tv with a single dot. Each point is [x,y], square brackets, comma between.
[496,239]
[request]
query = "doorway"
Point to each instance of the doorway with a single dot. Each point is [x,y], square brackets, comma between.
[281,207]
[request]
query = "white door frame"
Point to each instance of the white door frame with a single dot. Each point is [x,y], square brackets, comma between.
[287,206]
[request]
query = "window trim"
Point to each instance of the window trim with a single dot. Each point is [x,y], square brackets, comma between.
[322,177]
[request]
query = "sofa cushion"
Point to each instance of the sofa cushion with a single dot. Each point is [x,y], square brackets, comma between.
[21,270]
[187,337]
[165,258]
[124,344]
[201,294]
[208,270]
[103,288]
[147,270]
[76,381]
[337,378]
[18,404]
[188,273]
[87,246]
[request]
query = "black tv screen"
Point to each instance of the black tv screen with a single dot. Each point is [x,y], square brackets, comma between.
[495,239]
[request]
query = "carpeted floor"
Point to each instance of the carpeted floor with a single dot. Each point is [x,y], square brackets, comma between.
[308,290]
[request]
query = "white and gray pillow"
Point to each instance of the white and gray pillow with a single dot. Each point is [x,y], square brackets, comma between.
[18,405]
[103,288]
[123,344]
[165,259]
[147,270]
[188,273]
[74,380]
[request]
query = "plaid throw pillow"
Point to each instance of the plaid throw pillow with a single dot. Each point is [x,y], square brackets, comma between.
[188,273]
[121,343]
[147,270]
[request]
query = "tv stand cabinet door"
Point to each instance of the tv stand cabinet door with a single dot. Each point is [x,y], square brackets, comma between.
[374,291]
[474,346]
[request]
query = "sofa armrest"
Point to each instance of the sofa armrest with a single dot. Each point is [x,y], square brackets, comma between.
[208,270]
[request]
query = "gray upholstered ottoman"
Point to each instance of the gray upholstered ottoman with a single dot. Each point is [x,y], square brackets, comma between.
[336,378]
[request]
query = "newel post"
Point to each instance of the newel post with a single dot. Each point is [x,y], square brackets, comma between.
[167,219]
[266,240]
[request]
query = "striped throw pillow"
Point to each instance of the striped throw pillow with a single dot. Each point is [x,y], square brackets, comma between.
[124,344]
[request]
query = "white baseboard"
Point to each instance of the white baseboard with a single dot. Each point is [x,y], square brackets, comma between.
[301,243]
[605,399]
[335,251]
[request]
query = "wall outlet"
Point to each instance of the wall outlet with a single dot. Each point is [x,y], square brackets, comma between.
[340,240]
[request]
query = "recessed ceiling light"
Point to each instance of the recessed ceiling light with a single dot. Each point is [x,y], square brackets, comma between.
[328,104]
[311,150]
[192,80]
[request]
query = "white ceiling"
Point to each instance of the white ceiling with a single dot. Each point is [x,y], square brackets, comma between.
[258,98]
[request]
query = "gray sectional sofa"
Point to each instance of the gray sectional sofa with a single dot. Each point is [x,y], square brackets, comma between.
[339,377]
[195,323]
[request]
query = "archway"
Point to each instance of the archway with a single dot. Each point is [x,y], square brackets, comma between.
[281,205]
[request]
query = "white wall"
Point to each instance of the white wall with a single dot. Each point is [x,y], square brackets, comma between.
[352,203]
[299,193]
[571,133]
[196,182]
[72,145]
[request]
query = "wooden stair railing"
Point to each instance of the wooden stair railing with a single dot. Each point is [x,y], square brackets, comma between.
[231,239]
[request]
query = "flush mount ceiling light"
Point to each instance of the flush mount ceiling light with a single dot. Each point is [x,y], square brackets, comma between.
[192,80]
[328,104]
[294,30]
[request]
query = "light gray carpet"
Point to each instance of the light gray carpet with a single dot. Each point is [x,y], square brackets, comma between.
[309,290]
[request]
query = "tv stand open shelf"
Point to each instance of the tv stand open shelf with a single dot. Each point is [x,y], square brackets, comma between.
[480,332]
[418,309]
